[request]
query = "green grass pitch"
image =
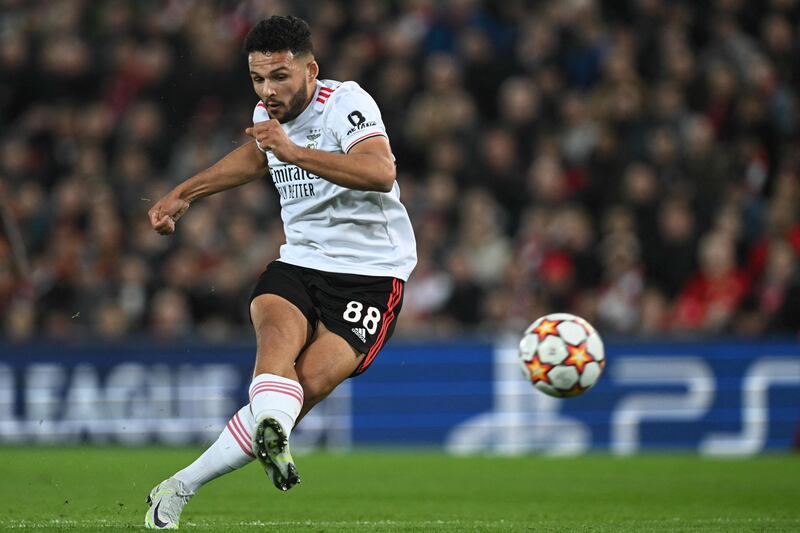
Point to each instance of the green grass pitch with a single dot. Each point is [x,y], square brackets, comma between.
[103,489]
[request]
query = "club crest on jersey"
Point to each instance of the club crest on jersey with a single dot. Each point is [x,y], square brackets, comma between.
[312,139]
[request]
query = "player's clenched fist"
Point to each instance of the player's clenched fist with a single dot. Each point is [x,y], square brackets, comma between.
[270,136]
[166,212]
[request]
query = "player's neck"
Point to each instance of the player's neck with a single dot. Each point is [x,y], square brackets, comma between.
[312,90]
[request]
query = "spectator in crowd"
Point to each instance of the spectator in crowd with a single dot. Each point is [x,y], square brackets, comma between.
[633,162]
[711,296]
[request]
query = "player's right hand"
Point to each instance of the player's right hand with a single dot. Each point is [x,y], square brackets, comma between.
[166,212]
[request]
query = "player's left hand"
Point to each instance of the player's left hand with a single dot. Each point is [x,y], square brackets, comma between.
[270,136]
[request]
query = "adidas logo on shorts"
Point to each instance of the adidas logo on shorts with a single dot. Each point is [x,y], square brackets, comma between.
[361,333]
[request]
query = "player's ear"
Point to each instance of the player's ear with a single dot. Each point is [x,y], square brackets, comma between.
[312,70]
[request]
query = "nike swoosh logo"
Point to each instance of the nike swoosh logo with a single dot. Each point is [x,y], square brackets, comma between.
[157,520]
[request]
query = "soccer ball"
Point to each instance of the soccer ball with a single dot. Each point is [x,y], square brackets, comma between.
[562,355]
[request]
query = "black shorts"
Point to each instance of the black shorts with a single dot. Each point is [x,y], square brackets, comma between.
[361,309]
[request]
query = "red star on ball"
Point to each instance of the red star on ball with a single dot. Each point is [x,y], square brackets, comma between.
[539,371]
[578,357]
[547,327]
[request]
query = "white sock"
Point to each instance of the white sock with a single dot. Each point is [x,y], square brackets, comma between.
[276,397]
[233,449]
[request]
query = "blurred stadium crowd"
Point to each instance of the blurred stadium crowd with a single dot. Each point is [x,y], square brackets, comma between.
[635,162]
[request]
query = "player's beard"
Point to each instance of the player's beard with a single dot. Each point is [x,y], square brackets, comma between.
[296,105]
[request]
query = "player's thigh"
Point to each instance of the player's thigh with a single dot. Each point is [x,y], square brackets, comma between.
[281,333]
[281,312]
[275,318]
[327,361]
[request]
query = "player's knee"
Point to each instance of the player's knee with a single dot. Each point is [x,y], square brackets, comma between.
[272,332]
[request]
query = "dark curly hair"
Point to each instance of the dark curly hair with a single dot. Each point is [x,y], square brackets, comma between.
[278,33]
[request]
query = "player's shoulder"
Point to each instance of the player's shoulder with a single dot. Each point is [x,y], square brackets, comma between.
[345,87]
[342,91]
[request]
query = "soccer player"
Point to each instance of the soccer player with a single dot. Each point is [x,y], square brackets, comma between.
[327,306]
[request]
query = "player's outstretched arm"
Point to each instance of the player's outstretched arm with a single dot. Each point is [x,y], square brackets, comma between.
[368,166]
[241,166]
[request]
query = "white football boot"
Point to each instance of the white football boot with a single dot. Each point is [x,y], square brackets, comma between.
[272,448]
[166,502]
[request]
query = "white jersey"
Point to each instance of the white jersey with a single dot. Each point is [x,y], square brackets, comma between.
[329,227]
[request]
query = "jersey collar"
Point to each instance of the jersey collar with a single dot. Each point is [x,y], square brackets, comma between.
[321,95]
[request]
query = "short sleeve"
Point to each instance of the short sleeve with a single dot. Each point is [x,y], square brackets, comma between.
[354,117]
[260,115]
